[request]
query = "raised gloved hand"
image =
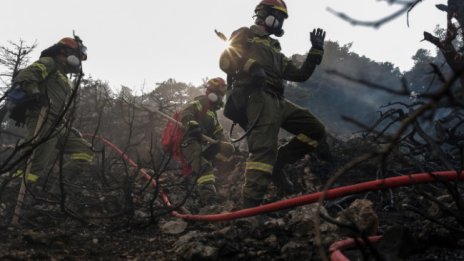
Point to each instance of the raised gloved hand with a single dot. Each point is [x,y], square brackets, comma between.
[317,37]
[258,75]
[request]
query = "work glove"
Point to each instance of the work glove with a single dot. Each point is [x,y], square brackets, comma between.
[226,149]
[28,99]
[195,131]
[16,96]
[258,76]
[317,37]
[317,51]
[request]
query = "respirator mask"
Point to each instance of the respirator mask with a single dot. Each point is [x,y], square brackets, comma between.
[74,59]
[215,99]
[273,20]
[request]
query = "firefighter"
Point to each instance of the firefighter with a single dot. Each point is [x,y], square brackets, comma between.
[256,70]
[46,84]
[199,118]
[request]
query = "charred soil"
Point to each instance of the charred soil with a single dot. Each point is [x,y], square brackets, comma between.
[422,222]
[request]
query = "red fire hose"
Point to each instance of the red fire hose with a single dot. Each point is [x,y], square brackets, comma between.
[335,249]
[133,164]
[381,184]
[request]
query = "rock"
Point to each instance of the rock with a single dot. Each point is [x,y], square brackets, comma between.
[301,224]
[174,227]
[141,214]
[249,224]
[189,247]
[228,205]
[37,237]
[204,253]
[230,233]
[271,240]
[183,240]
[275,223]
[291,247]
[362,215]
[436,211]
[302,220]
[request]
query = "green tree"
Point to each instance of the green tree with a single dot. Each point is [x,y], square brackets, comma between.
[170,95]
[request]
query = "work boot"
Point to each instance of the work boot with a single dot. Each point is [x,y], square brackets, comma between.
[323,152]
[208,194]
[36,207]
[279,176]
[283,183]
[39,191]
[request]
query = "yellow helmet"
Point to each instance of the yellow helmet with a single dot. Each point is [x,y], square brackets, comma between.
[278,5]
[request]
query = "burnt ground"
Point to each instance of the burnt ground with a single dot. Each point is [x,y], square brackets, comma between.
[117,221]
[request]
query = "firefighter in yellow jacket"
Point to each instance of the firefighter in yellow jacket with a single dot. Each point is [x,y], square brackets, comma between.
[199,118]
[256,70]
[45,83]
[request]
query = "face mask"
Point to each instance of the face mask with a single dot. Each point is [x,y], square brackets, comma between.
[73,61]
[212,97]
[272,22]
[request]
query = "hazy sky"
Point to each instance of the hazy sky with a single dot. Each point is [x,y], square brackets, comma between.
[140,42]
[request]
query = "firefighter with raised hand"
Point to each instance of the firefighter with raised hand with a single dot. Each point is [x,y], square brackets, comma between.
[199,118]
[256,71]
[45,83]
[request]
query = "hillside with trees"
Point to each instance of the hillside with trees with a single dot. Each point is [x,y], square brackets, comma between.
[402,129]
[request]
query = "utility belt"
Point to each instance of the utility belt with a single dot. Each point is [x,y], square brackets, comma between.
[237,99]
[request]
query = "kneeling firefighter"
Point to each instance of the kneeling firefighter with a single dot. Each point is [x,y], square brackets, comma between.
[256,70]
[44,87]
[199,118]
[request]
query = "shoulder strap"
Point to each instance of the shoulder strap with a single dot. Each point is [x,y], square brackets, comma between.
[202,113]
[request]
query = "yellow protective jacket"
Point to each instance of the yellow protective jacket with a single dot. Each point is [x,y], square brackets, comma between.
[200,112]
[250,46]
[50,78]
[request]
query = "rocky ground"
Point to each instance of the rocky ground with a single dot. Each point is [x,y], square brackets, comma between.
[116,221]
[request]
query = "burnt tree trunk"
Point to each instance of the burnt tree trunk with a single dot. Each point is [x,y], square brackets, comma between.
[454,58]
